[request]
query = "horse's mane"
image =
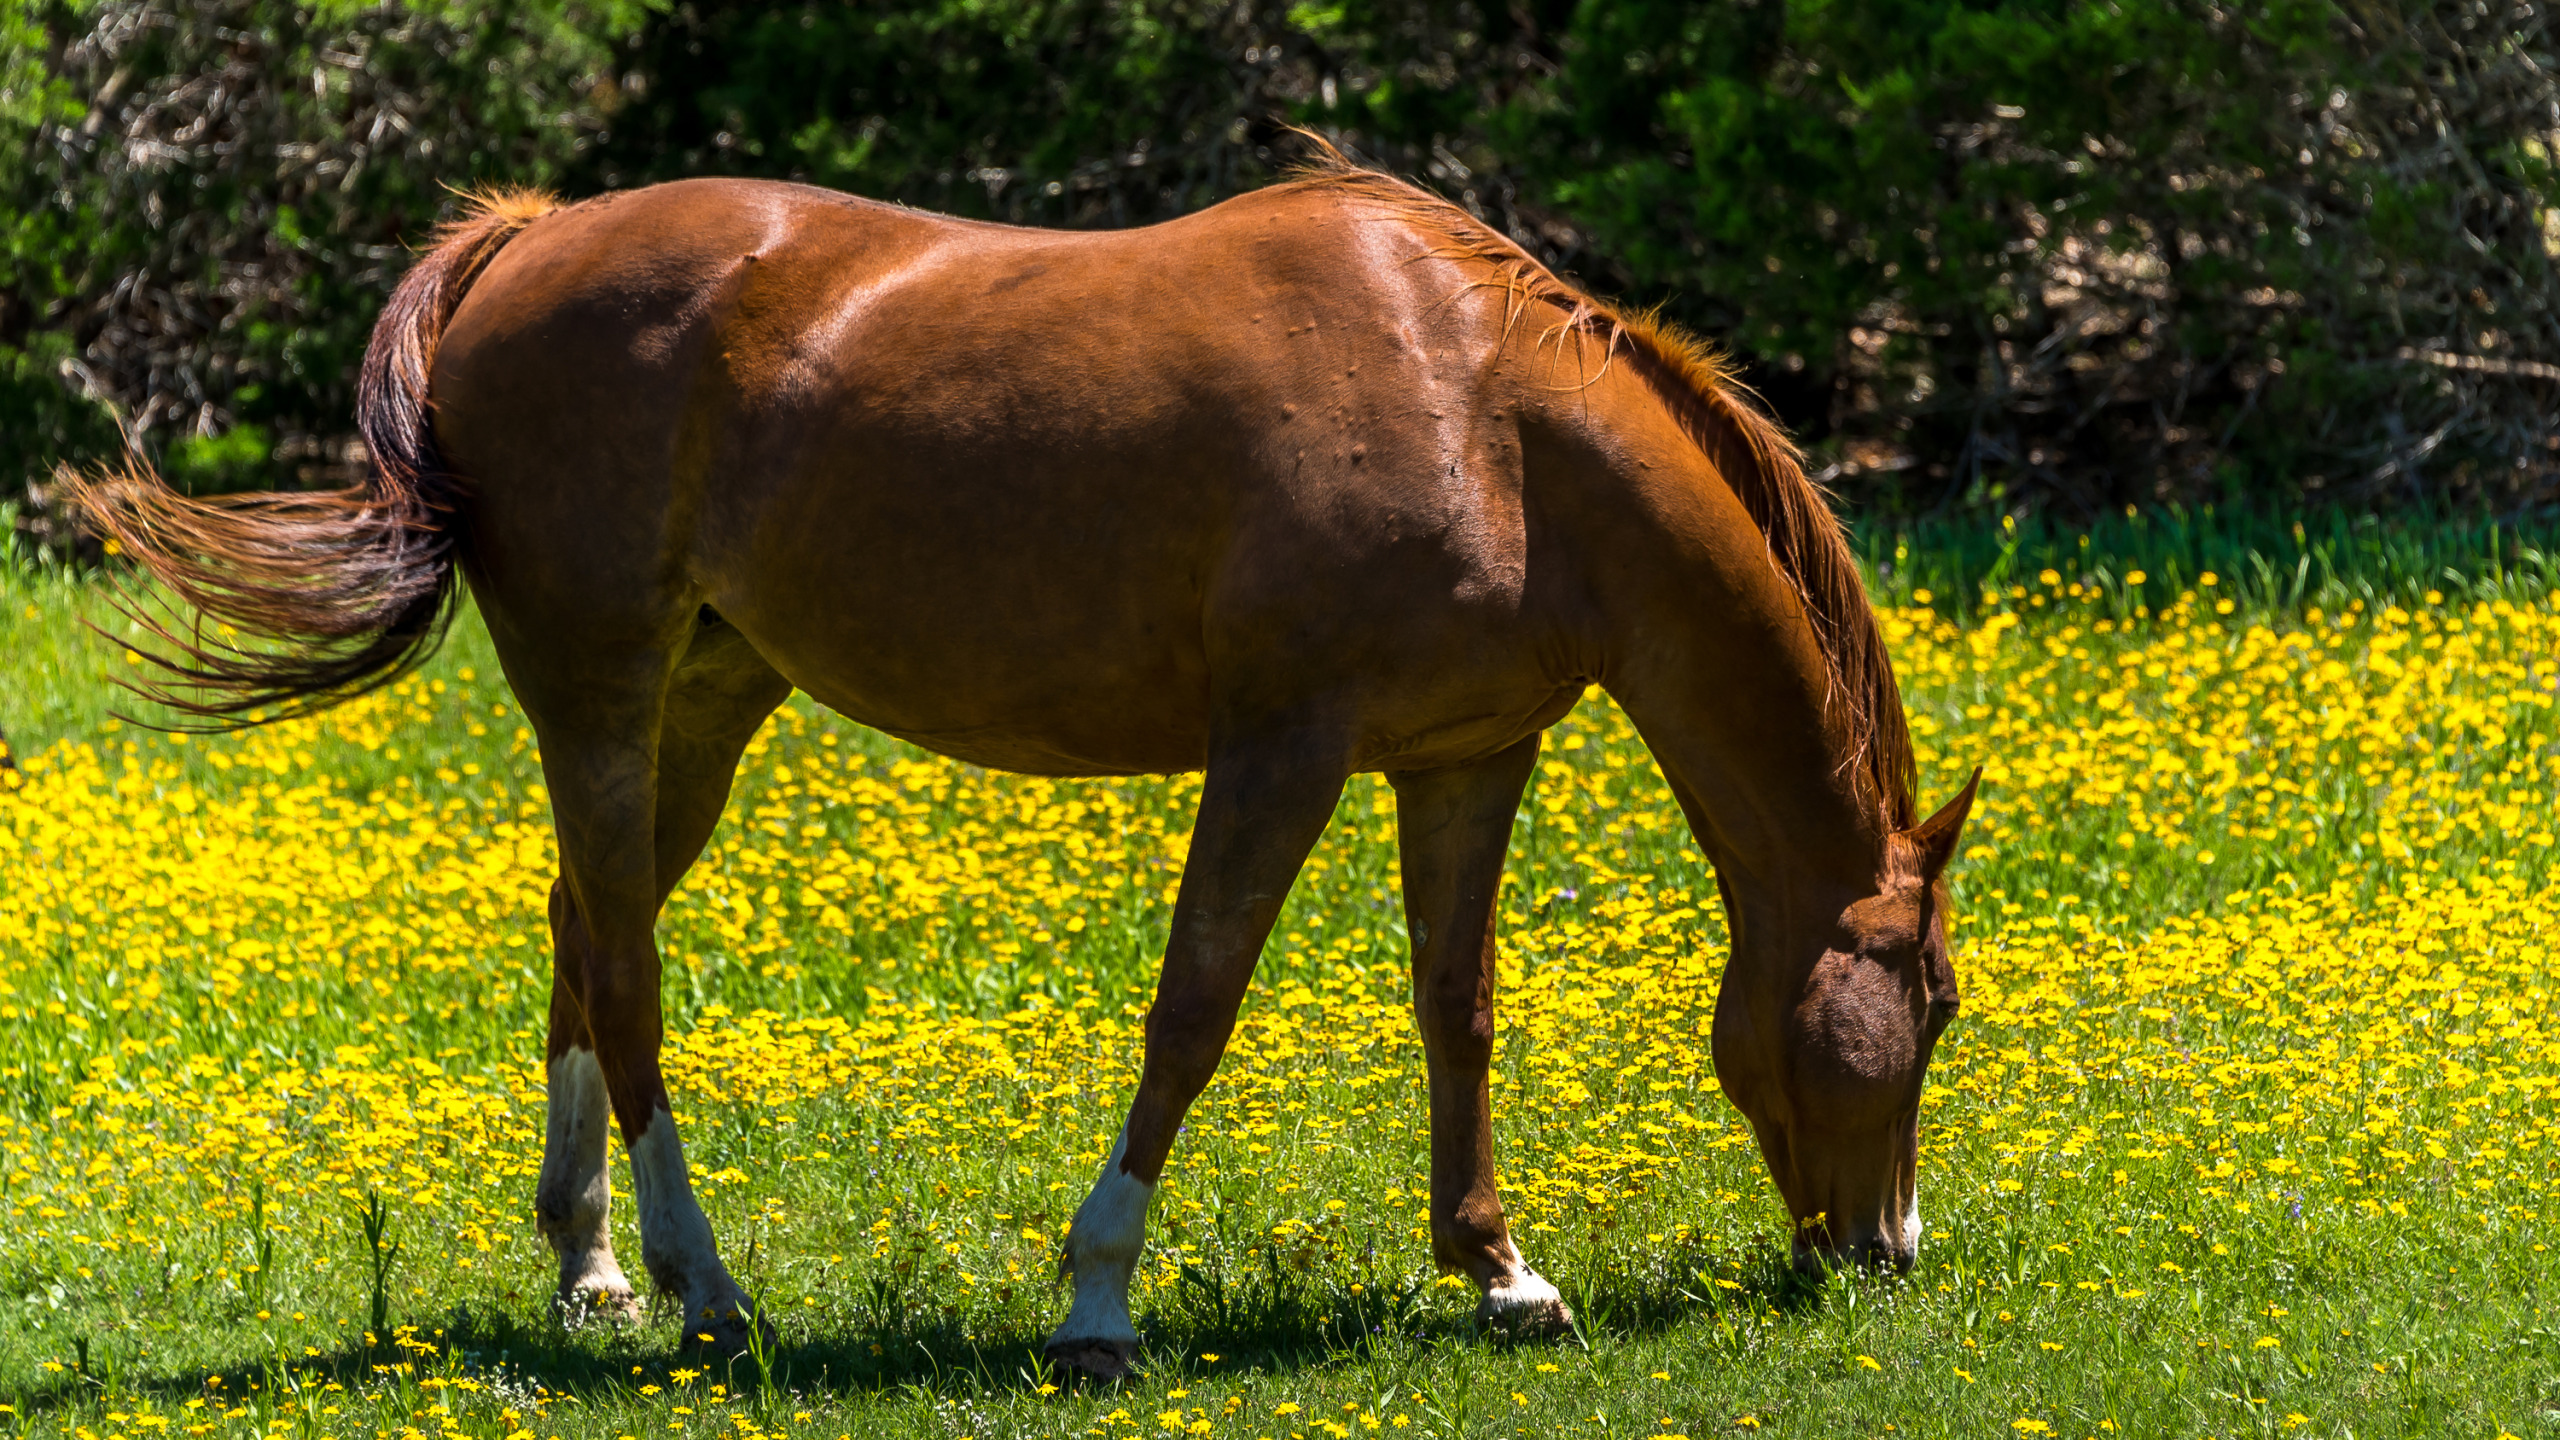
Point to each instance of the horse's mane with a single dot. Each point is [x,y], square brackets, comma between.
[1755,458]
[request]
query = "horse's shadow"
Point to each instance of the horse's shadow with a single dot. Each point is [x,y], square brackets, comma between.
[1266,1325]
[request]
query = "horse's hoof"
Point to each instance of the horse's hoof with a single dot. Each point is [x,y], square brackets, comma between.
[601,1304]
[1537,1320]
[1528,1307]
[1093,1359]
[732,1331]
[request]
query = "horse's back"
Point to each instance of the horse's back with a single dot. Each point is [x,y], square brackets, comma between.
[1025,496]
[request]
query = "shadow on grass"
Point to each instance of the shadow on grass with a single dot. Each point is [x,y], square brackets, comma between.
[1271,1323]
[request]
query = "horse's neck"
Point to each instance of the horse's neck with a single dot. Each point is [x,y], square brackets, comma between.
[1721,673]
[1773,798]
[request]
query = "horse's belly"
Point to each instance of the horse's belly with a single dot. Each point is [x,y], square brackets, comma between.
[1105,673]
[1079,730]
[1057,659]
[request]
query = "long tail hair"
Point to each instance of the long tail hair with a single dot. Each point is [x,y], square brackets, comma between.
[334,592]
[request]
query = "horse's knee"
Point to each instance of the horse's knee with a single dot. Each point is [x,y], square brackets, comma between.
[1455,1011]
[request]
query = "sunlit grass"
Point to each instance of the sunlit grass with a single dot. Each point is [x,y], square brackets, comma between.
[2249,1117]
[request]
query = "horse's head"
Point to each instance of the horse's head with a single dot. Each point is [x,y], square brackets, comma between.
[1823,1038]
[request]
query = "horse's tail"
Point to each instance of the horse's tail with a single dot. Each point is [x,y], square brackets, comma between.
[348,589]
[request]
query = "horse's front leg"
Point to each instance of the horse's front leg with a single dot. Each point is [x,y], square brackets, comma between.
[1261,808]
[1453,826]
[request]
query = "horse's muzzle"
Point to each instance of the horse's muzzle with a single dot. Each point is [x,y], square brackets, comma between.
[1881,1247]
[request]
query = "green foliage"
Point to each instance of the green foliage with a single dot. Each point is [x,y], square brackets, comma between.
[231,460]
[207,201]
[2093,252]
[1024,110]
[1981,255]
[2017,253]
[47,412]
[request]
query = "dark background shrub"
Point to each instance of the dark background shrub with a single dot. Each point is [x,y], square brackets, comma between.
[203,205]
[2096,253]
[2009,255]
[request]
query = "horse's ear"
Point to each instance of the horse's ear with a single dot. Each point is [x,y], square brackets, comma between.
[1934,840]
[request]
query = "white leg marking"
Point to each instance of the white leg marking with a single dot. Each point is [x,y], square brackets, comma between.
[1520,1298]
[1102,1250]
[573,1201]
[675,1239]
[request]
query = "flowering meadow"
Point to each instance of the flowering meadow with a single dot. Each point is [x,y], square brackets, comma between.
[2248,1126]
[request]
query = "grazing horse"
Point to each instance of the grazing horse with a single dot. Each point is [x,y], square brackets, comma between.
[1328,478]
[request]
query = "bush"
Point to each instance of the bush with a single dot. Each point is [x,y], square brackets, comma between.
[1983,255]
[2013,254]
[209,199]
[2096,253]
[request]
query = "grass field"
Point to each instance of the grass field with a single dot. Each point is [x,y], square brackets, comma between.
[2248,1127]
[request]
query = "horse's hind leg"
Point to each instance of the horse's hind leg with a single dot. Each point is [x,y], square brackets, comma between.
[632,817]
[1453,827]
[573,1201]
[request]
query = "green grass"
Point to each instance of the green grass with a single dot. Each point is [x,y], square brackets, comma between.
[2267,562]
[214,1283]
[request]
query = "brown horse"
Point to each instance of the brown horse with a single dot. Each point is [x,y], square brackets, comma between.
[1326,479]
